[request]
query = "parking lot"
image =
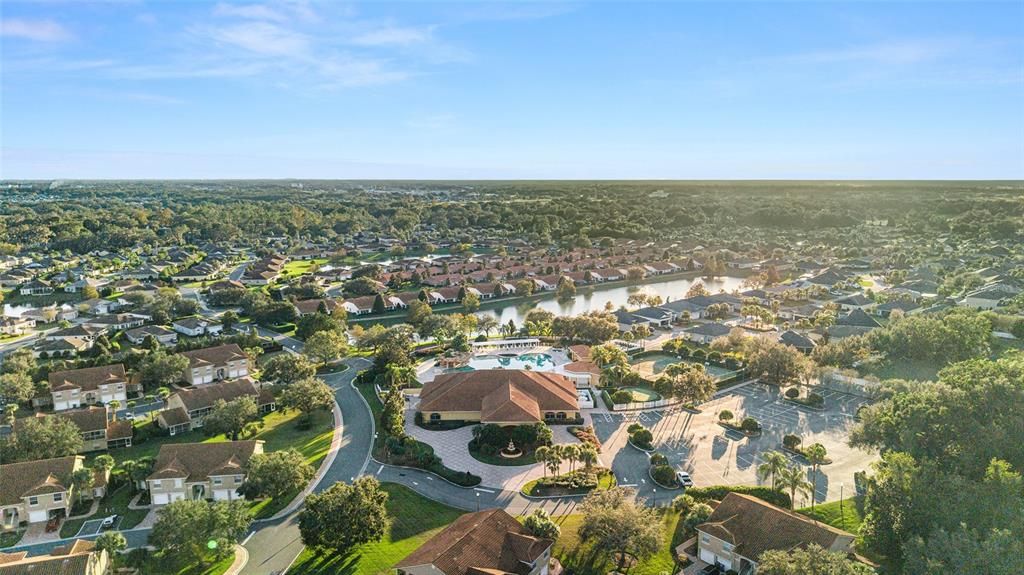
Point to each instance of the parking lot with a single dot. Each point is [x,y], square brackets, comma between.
[94,526]
[714,455]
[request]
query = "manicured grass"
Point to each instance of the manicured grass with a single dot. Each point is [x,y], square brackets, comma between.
[299,267]
[11,538]
[829,513]
[157,564]
[280,431]
[904,369]
[115,503]
[583,559]
[414,519]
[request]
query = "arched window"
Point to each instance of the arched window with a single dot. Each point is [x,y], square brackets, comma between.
[561,415]
[549,415]
[435,417]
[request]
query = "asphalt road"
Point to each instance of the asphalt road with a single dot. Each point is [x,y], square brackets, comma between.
[275,544]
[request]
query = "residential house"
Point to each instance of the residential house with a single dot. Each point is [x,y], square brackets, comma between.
[88,386]
[489,542]
[705,333]
[98,432]
[209,364]
[35,491]
[859,318]
[66,347]
[118,322]
[200,471]
[886,309]
[80,557]
[99,306]
[36,287]
[159,332]
[196,326]
[797,340]
[628,321]
[500,396]
[311,306]
[742,528]
[987,297]
[855,301]
[186,408]
[16,325]
[82,283]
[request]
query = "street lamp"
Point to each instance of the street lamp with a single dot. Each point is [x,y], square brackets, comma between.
[655,496]
[478,501]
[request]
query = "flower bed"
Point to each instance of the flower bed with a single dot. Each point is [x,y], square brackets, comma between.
[586,435]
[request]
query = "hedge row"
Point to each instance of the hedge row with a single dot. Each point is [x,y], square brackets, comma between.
[718,492]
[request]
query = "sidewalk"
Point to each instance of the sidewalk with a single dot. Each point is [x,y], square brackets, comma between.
[241,558]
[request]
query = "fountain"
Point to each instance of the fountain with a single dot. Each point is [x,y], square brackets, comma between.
[510,451]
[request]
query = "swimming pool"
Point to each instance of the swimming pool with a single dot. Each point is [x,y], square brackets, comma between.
[535,361]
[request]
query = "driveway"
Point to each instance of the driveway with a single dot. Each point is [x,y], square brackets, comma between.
[276,543]
[288,343]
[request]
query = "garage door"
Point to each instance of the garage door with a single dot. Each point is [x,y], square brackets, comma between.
[37,516]
[222,494]
[61,406]
[160,499]
[707,556]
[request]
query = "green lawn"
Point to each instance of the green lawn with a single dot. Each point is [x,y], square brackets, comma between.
[525,459]
[157,564]
[642,393]
[280,431]
[115,503]
[414,520]
[583,559]
[298,267]
[849,520]
[604,481]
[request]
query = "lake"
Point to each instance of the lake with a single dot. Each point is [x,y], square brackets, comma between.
[589,298]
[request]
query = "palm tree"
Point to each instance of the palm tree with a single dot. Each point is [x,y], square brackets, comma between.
[398,376]
[103,462]
[554,460]
[588,456]
[816,456]
[542,454]
[792,479]
[81,480]
[114,406]
[571,451]
[774,463]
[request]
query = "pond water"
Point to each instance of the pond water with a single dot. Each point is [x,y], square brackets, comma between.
[591,298]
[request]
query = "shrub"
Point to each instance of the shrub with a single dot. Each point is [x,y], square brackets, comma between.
[664,474]
[481,337]
[659,459]
[791,441]
[586,435]
[750,425]
[698,354]
[815,399]
[725,415]
[793,393]
[718,492]
[684,503]
[642,438]
[622,396]
[715,356]
[634,427]
[683,351]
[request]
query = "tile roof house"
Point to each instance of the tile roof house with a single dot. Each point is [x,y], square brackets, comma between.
[487,542]
[743,527]
[186,409]
[98,432]
[77,558]
[88,386]
[196,326]
[33,491]
[159,332]
[200,470]
[501,396]
[210,364]
[706,332]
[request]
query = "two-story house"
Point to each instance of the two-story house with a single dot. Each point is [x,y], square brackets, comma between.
[211,364]
[197,326]
[485,542]
[200,471]
[743,527]
[34,491]
[98,432]
[88,386]
[186,409]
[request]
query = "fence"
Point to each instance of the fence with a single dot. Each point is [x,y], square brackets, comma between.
[635,404]
[836,380]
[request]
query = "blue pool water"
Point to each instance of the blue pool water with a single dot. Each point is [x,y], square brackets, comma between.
[535,361]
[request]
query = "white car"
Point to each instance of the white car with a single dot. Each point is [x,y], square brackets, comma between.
[684,478]
[108,522]
[129,416]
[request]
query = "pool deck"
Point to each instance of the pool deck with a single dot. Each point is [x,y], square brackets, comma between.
[558,357]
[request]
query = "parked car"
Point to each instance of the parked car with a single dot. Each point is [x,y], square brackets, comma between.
[684,478]
[129,416]
[108,523]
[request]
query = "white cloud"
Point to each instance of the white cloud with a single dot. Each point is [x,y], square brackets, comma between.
[260,38]
[38,30]
[249,11]
[393,36]
[900,52]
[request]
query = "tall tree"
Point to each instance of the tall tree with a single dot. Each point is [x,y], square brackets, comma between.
[230,417]
[774,463]
[614,522]
[326,346]
[184,529]
[308,395]
[345,516]
[45,438]
[277,473]
[813,559]
[17,387]
[792,479]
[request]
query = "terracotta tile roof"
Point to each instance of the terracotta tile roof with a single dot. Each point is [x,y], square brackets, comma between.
[197,461]
[754,526]
[500,391]
[219,355]
[17,480]
[487,542]
[582,367]
[89,378]
[581,351]
[172,417]
[71,559]
[120,429]
[206,395]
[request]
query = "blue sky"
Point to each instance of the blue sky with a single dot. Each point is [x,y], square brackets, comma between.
[687,90]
